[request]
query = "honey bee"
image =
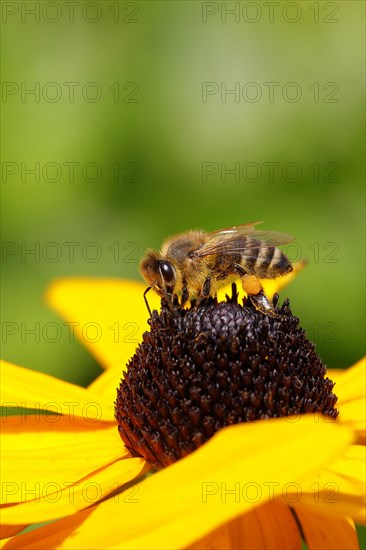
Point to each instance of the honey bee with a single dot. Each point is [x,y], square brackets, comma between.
[195,264]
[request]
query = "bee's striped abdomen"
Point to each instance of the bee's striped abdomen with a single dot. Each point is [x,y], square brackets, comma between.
[250,255]
[266,261]
[279,265]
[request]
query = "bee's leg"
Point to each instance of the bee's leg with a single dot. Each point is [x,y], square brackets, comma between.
[206,288]
[146,302]
[168,298]
[164,294]
[185,295]
[252,286]
[205,291]
[262,304]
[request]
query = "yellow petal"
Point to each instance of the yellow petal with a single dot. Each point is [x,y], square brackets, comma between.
[339,487]
[325,532]
[351,390]
[335,375]
[351,384]
[270,286]
[10,530]
[34,431]
[109,316]
[27,472]
[107,383]
[353,413]
[47,537]
[255,460]
[28,389]
[268,527]
[54,500]
[351,465]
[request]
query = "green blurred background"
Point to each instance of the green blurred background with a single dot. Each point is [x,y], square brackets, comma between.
[135,130]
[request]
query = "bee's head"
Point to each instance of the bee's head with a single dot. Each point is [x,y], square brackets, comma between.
[158,273]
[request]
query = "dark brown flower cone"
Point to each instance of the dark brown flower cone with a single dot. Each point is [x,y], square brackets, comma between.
[199,370]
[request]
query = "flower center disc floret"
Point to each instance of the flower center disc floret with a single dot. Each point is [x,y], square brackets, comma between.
[216,364]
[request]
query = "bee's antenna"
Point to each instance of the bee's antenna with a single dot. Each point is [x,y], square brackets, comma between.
[146,302]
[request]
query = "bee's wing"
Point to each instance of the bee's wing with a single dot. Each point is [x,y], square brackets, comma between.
[234,240]
[242,229]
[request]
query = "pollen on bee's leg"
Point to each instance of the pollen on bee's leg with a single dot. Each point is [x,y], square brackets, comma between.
[251,284]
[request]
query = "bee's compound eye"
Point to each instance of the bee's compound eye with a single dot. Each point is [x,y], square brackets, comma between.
[167,271]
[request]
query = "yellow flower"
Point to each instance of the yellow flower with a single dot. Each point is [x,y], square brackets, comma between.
[264,484]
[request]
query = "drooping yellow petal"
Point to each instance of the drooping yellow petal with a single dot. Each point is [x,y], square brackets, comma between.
[270,286]
[108,316]
[54,499]
[28,389]
[325,532]
[28,471]
[255,460]
[268,527]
